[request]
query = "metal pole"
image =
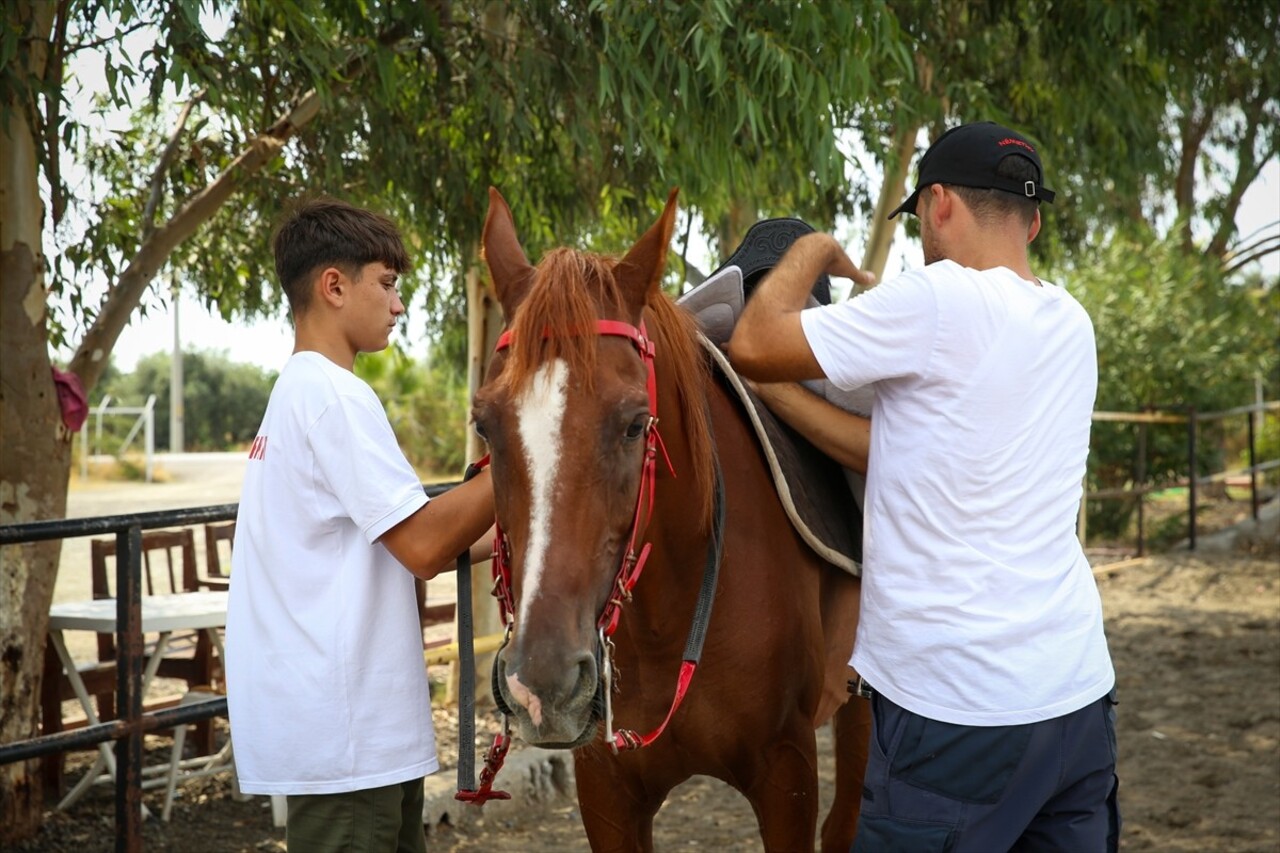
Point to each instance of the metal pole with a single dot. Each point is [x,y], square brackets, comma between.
[84,453]
[128,694]
[150,433]
[176,399]
[1191,480]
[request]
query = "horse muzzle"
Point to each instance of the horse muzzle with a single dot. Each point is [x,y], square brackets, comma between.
[554,701]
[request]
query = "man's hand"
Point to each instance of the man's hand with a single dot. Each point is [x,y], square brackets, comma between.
[843,267]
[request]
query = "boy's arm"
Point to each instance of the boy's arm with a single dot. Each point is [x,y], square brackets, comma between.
[429,541]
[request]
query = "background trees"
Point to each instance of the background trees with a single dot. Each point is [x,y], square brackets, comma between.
[1157,113]
[223,400]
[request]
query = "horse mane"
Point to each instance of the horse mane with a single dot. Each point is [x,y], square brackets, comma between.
[570,289]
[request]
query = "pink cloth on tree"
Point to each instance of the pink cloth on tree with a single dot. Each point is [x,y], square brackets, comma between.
[71,398]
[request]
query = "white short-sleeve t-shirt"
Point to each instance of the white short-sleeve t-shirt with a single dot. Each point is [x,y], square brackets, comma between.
[326,687]
[979,607]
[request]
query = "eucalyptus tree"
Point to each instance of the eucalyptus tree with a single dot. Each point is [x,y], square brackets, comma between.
[1159,110]
[573,108]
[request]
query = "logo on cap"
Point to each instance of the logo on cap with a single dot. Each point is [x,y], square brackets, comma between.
[1009,140]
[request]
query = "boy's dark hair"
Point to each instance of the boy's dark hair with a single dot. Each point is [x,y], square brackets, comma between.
[325,232]
[988,205]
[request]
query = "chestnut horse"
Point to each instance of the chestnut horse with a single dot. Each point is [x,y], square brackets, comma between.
[581,482]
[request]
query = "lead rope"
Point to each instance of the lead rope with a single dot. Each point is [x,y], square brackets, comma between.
[624,740]
[467,790]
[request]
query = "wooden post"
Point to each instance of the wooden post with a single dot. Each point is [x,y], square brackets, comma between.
[484,324]
[1141,476]
[1253,462]
[1191,479]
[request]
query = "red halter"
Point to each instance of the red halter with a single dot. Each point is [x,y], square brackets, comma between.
[632,562]
[624,582]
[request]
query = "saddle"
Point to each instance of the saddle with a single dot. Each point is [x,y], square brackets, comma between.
[822,499]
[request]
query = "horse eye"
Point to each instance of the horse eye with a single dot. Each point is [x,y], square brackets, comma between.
[480,431]
[636,428]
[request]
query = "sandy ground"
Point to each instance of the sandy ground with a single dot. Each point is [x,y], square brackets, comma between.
[1196,643]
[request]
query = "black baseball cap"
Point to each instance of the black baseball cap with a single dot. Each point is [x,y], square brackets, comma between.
[967,156]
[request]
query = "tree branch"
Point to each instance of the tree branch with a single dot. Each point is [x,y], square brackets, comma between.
[1247,169]
[90,358]
[53,115]
[1256,252]
[892,192]
[1194,127]
[166,158]
[116,36]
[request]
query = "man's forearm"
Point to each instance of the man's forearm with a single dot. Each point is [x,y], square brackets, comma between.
[843,436]
[787,286]
[768,342]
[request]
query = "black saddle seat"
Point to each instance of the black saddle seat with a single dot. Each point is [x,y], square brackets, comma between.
[763,246]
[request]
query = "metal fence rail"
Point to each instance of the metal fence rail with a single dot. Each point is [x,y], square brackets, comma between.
[133,723]
[1192,419]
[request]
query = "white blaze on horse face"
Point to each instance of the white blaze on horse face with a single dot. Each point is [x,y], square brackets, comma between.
[540,415]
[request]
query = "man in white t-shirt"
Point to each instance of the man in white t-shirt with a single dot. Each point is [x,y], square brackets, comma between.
[326,686]
[981,639]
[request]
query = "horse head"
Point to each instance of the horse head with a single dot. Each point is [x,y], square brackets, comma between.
[567,410]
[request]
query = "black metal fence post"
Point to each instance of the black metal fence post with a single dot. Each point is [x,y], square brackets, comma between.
[129,654]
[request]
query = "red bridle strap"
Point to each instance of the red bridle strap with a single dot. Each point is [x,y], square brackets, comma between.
[626,739]
[615,328]
[632,563]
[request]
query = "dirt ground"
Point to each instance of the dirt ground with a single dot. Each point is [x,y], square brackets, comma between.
[1196,643]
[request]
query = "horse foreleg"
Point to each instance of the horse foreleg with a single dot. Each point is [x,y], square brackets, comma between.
[617,811]
[851,737]
[785,794]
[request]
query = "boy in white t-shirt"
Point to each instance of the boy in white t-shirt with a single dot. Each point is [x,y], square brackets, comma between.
[981,636]
[326,687]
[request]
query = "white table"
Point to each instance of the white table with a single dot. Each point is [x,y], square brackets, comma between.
[161,614]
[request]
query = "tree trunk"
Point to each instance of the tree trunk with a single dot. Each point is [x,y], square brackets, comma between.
[484,324]
[36,460]
[742,214]
[892,192]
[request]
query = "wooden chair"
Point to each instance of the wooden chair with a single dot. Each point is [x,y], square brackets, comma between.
[218,537]
[432,614]
[159,548]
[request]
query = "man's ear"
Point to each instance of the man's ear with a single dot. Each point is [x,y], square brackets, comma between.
[1035,226]
[940,202]
[331,286]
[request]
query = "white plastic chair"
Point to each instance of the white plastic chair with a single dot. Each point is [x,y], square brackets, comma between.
[185,769]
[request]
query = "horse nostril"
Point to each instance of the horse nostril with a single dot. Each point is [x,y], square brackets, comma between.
[587,674]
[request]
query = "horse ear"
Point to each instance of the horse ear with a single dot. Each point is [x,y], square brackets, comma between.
[640,272]
[500,248]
